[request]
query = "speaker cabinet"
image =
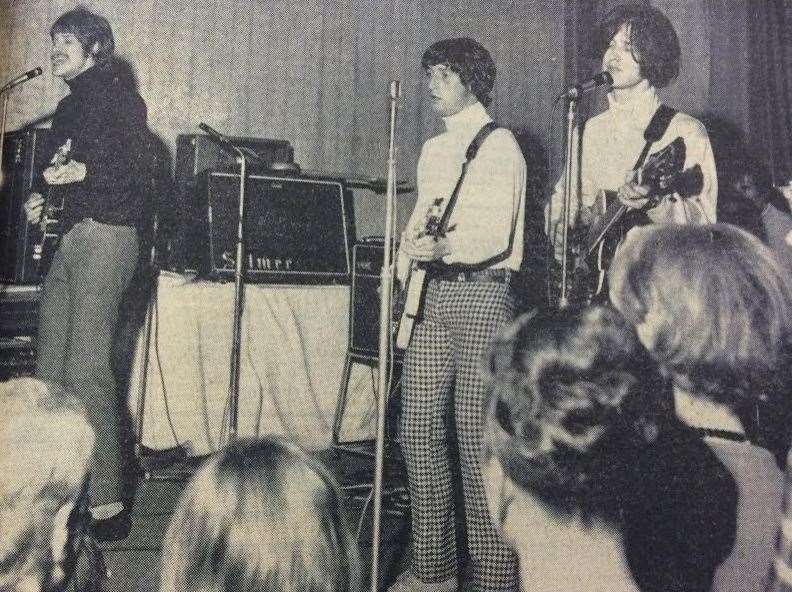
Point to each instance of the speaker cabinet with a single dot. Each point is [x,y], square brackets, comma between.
[298,229]
[25,153]
[367,259]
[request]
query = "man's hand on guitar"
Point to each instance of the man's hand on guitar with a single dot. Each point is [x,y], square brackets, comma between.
[633,195]
[425,248]
[34,208]
[63,174]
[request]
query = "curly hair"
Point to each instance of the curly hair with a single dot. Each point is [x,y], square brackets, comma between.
[467,58]
[571,393]
[712,304]
[90,29]
[653,41]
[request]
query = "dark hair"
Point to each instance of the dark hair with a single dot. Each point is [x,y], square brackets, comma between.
[573,392]
[90,29]
[654,42]
[467,58]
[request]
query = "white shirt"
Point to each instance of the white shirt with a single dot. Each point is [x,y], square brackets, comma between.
[487,221]
[612,142]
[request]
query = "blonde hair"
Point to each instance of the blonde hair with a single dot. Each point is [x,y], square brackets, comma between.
[259,516]
[46,444]
[711,303]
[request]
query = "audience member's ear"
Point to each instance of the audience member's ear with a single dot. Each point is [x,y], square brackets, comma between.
[61,538]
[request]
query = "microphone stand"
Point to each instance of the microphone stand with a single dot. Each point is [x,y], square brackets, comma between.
[239,278]
[386,286]
[563,300]
[2,136]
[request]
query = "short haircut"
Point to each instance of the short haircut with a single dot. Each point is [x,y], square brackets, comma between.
[467,58]
[712,304]
[260,515]
[654,42]
[571,393]
[90,29]
[46,444]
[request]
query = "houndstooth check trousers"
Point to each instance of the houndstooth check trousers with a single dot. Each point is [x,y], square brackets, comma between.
[442,364]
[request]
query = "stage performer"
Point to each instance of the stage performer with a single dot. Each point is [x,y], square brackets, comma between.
[640,49]
[100,173]
[467,300]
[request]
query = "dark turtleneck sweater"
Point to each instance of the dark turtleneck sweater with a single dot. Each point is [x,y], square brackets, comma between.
[105,118]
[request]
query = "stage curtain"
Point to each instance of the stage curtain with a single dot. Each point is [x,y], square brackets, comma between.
[771,84]
[314,72]
[735,68]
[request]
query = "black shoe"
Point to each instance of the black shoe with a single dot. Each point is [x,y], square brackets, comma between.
[112,529]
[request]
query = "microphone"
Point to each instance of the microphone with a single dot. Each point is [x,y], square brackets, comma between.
[579,89]
[21,79]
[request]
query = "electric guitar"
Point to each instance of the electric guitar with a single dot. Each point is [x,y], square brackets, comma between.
[414,292]
[663,173]
[48,226]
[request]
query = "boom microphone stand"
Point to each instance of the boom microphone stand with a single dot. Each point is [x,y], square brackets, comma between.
[239,276]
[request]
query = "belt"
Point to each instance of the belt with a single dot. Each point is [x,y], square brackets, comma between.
[496,276]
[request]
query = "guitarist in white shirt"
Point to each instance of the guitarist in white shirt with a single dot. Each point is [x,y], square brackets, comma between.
[467,299]
[640,50]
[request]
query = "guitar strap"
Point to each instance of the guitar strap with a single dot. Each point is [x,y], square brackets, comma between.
[470,154]
[655,130]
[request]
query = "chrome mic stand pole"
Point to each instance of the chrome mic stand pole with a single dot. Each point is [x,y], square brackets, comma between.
[563,300]
[386,284]
[2,135]
[239,293]
[239,283]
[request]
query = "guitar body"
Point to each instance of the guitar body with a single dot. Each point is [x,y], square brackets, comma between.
[414,293]
[663,174]
[49,226]
[414,297]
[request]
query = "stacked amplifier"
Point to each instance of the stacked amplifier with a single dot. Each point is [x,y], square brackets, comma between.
[299,229]
[24,153]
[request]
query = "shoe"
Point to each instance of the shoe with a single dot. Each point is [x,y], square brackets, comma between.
[111,529]
[407,582]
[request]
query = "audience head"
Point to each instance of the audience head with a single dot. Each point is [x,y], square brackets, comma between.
[467,58]
[712,304]
[571,391]
[260,516]
[652,39]
[46,446]
[91,30]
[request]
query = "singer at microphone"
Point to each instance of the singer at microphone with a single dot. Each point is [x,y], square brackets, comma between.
[29,75]
[603,78]
[607,151]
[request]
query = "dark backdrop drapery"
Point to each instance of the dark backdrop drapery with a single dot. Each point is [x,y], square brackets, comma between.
[735,68]
[316,72]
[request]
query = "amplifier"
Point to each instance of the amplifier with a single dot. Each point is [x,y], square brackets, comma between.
[364,305]
[299,229]
[198,153]
[17,358]
[19,310]
[24,154]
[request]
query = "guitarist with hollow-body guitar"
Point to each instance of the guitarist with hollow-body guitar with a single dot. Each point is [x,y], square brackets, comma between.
[640,50]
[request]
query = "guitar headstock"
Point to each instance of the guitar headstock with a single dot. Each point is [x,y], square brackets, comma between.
[62,154]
